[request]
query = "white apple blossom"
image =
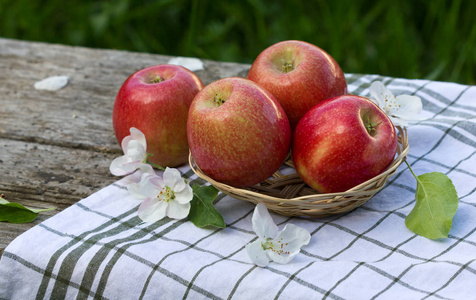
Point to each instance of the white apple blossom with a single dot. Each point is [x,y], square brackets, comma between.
[400,109]
[278,246]
[169,196]
[134,147]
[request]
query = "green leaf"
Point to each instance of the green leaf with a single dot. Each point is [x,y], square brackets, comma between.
[16,213]
[202,212]
[436,205]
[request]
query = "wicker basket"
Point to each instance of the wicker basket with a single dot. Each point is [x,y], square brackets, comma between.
[289,195]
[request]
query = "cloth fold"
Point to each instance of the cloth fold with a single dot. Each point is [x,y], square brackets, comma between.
[99,248]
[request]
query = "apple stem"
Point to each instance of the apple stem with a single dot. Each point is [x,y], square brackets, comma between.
[287,66]
[157,79]
[219,100]
[371,127]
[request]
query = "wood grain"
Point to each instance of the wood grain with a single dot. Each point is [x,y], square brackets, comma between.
[55,147]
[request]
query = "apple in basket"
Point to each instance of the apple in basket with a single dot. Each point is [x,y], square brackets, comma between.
[156,100]
[299,75]
[343,142]
[238,132]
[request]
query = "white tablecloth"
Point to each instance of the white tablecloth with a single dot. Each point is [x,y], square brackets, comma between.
[99,248]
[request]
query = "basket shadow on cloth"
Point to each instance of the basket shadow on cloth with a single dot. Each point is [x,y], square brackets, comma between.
[288,195]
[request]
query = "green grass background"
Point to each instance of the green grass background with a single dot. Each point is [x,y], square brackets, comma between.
[412,39]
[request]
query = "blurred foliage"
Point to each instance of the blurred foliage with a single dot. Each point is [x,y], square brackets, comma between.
[412,39]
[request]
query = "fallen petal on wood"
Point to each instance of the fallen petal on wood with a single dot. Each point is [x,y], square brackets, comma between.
[52,83]
[193,64]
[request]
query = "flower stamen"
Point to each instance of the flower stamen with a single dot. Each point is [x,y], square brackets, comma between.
[166,194]
[276,248]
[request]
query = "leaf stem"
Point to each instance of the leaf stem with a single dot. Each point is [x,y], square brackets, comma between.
[410,168]
[147,161]
[155,165]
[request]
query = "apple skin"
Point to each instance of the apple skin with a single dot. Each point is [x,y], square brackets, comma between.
[242,141]
[315,76]
[332,149]
[159,110]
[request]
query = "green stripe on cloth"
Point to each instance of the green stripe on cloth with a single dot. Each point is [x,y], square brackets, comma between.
[54,258]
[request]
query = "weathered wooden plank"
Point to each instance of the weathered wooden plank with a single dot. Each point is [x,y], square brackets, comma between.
[42,176]
[53,174]
[55,147]
[80,114]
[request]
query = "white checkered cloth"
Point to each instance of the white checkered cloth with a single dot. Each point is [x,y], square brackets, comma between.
[99,248]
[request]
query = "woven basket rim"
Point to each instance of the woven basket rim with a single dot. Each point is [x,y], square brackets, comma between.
[356,191]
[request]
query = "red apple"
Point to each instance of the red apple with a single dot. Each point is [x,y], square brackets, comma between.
[343,142]
[156,100]
[299,75]
[238,132]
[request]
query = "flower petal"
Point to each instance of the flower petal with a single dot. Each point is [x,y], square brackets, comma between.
[116,166]
[125,142]
[374,100]
[173,179]
[397,121]
[134,190]
[137,135]
[379,92]
[121,166]
[177,211]
[193,64]
[288,243]
[133,178]
[135,151]
[263,224]
[409,107]
[257,254]
[146,168]
[52,83]
[152,210]
[150,185]
[185,195]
